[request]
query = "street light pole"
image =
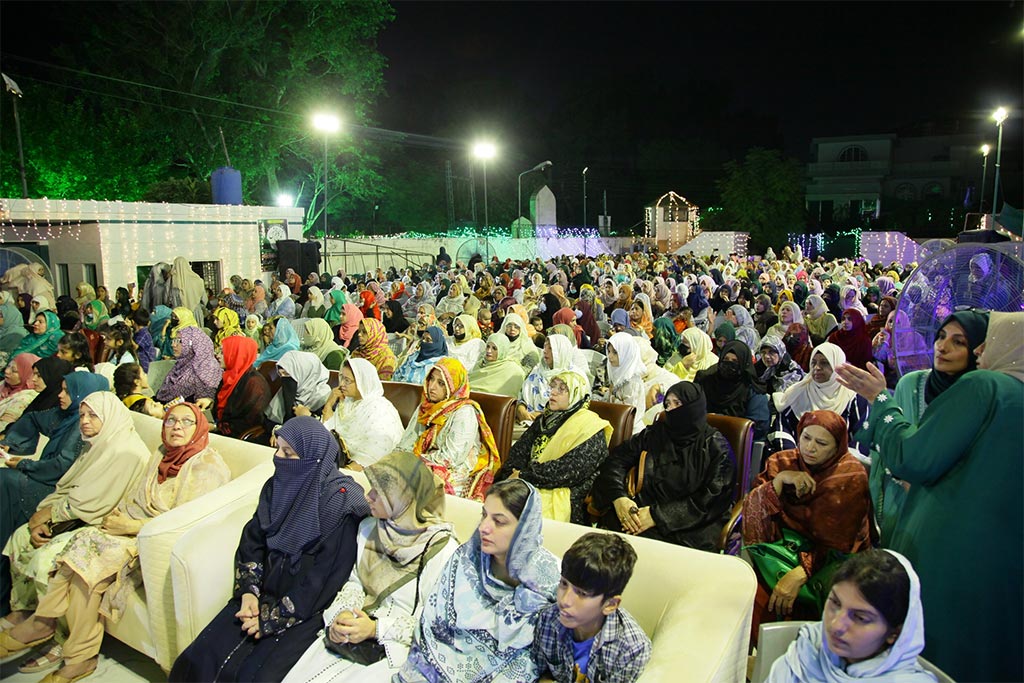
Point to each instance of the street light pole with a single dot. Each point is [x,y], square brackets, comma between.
[484,151]
[1000,116]
[327,124]
[585,169]
[542,166]
[985,149]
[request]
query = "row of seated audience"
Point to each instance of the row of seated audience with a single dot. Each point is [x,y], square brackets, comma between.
[817,497]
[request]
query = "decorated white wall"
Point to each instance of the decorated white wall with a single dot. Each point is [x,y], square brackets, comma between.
[119,236]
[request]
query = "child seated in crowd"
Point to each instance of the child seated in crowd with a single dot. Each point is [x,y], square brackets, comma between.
[585,636]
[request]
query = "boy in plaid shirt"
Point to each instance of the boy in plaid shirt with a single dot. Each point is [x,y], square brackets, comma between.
[585,637]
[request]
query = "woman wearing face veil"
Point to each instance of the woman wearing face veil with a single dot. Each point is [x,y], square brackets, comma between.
[294,556]
[688,476]
[402,549]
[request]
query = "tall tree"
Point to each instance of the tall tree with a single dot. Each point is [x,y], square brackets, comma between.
[762,195]
[181,71]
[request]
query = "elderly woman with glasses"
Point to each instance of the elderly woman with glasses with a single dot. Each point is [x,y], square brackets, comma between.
[367,424]
[561,450]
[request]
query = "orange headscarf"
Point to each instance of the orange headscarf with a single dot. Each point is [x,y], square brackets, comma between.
[433,417]
[176,456]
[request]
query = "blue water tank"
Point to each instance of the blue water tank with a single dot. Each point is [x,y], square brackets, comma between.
[226,185]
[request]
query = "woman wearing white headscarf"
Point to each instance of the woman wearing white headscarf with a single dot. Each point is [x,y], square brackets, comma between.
[699,354]
[536,390]
[367,423]
[626,373]
[820,323]
[498,372]
[882,645]
[469,345]
[533,293]
[304,388]
[282,305]
[522,349]
[739,316]
[789,313]
[818,390]
[315,306]
[422,295]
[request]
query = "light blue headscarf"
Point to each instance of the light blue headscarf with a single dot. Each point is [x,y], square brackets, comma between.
[492,630]
[810,659]
[285,340]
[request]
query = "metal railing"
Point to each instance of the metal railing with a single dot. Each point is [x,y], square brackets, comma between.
[371,255]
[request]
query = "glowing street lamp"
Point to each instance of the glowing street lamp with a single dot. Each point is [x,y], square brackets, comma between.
[985,149]
[999,115]
[484,151]
[284,199]
[327,124]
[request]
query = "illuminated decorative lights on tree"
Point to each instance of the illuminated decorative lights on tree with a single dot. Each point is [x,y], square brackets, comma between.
[813,245]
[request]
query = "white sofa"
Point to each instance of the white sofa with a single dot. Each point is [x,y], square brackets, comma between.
[150,620]
[695,605]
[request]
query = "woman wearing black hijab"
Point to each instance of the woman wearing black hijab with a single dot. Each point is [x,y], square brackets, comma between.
[549,305]
[733,388]
[294,556]
[394,318]
[50,371]
[688,476]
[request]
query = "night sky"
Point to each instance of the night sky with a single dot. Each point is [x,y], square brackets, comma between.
[656,96]
[818,69]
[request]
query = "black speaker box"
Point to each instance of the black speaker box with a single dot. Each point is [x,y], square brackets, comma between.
[982,236]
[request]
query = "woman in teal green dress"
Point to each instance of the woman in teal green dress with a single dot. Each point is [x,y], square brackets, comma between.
[953,355]
[963,518]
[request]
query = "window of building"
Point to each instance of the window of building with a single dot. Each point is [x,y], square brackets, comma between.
[905,192]
[210,272]
[63,279]
[853,153]
[89,270]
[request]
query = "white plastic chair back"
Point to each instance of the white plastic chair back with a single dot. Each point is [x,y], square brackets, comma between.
[772,642]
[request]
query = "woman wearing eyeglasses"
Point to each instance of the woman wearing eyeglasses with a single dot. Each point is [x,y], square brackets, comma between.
[562,450]
[99,567]
[357,411]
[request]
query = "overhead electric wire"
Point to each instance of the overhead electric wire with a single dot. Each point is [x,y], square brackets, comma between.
[384,134]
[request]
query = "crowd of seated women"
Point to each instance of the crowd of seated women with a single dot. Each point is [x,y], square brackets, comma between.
[798,348]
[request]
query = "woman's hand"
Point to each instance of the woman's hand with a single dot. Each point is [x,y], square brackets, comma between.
[204,403]
[627,511]
[644,520]
[13,460]
[352,627]
[302,411]
[40,516]
[786,590]
[40,535]
[801,481]
[118,524]
[250,615]
[868,383]
[689,360]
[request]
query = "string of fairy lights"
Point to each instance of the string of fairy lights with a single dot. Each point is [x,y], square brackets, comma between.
[141,233]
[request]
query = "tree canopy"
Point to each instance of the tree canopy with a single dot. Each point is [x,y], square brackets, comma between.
[145,89]
[762,195]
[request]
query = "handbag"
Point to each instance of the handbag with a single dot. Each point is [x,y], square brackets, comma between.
[371,651]
[774,560]
[635,476]
[57,528]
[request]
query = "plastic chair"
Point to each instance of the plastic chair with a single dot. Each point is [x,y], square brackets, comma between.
[774,639]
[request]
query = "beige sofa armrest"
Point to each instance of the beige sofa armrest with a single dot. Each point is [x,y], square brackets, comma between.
[160,536]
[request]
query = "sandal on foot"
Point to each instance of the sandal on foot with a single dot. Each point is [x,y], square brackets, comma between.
[9,646]
[47,659]
[54,677]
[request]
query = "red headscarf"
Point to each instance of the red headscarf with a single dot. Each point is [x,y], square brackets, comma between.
[566,316]
[369,308]
[856,342]
[239,354]
[24,363]
[176,456]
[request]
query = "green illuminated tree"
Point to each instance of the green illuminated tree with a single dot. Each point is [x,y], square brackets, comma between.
[176,73]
